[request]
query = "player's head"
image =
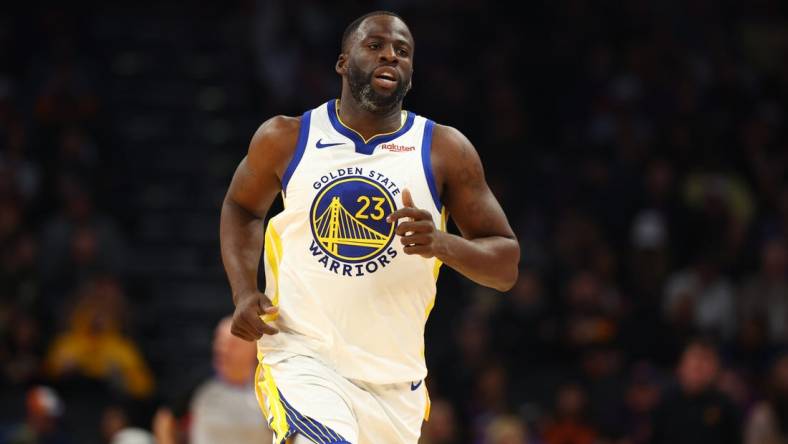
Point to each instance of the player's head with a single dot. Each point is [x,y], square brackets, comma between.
[376,62]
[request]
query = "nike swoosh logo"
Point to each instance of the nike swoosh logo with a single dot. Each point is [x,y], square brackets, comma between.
[414,387]
[320,144]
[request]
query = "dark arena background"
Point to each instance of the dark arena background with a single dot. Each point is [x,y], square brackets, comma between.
[639,149]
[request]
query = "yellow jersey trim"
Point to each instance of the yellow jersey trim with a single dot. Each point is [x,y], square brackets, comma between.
[403,119]
[428,407]
[273,253]
[438,263]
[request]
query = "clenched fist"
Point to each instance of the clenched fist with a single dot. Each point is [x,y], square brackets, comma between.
[418,232]
[248,322]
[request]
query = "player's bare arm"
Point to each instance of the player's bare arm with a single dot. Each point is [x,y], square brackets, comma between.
[487,252]
[254,186]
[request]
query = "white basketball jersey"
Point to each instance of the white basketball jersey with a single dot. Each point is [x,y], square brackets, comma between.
[346,292]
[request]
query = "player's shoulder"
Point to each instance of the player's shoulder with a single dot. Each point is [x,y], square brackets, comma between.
[275,139]
[451,154]
[277,128]
[449,136]
[450,142]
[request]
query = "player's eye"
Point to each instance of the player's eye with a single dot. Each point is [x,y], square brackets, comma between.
[403,52]
[374,46]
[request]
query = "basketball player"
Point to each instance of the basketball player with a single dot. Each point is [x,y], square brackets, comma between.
[351,262]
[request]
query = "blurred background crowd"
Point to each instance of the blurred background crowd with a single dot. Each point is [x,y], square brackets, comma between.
[639,149]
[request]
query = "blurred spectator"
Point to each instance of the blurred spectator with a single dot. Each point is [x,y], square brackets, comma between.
[77,154]
[166,428]
[10,218]
[570,424]
[764,296]
[94,346]
[490,397]
[721,209]
[506,430]
[768,420]
[521,326]
[696,411]
[21,337]
[576,235]
[118,426]
[751,348]
[469,355]
[79,241]
[649,233]
[604,264]
[733,384]
[67,95]
[644,333]
[641,398]
[15,165]
[133,436]
[42,426]
[660,221]
[223,408]
[701,299]
[18,278]
[21,354]
[602,376]
[593,313]
[441,428]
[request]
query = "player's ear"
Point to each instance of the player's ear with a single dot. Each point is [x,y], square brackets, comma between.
[341,66]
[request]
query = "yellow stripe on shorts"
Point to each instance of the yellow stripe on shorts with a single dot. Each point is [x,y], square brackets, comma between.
[268,398]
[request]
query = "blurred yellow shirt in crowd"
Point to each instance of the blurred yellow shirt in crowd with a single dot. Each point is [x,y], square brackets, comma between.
[98,350]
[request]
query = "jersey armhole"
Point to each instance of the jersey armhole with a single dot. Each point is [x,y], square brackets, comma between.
[426,161]
[303,135]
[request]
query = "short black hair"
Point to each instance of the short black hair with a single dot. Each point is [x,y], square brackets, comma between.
[353,26]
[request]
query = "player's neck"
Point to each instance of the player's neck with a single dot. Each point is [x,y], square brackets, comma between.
[366,123]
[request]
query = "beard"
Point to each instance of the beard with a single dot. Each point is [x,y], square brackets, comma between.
[361,89]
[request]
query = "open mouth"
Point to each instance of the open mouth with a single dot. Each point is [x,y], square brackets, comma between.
[385,78]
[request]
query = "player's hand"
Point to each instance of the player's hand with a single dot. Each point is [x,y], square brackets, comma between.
[248,321]
[418,232]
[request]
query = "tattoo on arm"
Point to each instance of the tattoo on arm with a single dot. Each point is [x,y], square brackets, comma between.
[471,173]
[471,178]
[474,206]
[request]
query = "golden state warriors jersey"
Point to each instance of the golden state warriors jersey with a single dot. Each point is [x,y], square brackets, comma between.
[346,292]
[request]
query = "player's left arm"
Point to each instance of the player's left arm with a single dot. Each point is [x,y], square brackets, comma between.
[487,252]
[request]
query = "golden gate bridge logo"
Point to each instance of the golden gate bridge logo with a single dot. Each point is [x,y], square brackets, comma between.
[336,226]
[349,219]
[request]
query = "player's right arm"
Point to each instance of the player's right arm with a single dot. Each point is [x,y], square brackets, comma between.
[254,186]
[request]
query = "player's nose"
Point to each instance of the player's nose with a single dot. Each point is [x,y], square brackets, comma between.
[388,54]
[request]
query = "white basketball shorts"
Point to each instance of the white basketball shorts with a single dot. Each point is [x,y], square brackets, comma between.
[299,395]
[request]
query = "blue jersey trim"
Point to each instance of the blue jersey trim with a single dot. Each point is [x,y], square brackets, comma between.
[426,160]
[311,428]
[303,135]
[365,147]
